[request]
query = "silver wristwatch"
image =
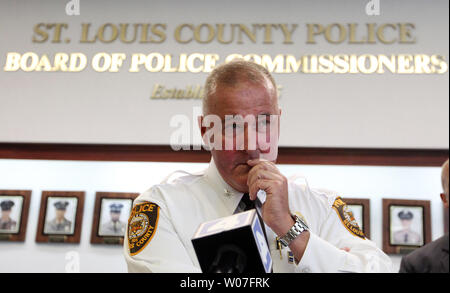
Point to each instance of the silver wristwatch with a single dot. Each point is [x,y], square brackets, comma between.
[298,228]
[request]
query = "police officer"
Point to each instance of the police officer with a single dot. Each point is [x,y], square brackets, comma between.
[406,236]
[165,217]
[114,227]
[59,224]
[6,223]
[433,257]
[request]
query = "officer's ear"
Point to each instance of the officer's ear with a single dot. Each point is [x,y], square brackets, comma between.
[200,125]
[203,129]
[444,199]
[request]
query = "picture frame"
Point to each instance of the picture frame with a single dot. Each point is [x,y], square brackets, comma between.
[361,211]
[60,216]
[406,225]
[111,213]
[15,206]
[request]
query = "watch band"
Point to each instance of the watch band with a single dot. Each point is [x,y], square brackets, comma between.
[298,228]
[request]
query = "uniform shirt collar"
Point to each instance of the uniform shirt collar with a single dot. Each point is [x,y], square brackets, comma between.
[227,194]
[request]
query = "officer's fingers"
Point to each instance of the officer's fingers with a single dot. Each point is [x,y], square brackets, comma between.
[251,177]
[260,165]
[255,162]
[263,184]
[262,174]
[264,165]
[267,165]
[253,171]
[252,189]
[271,167]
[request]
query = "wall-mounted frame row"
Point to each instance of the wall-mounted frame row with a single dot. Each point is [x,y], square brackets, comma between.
[406,223]
[61,213]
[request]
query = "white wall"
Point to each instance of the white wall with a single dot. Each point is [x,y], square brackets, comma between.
[351,181]
[329,110]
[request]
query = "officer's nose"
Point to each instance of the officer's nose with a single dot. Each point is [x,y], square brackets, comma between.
[252,147]
[253,154]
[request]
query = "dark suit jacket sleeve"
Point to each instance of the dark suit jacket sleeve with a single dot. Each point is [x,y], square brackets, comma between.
[405,266]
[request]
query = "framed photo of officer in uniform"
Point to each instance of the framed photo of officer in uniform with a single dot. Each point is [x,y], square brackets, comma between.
[111,213]
[406,225]
[360,208]
[60,216]
[14,207]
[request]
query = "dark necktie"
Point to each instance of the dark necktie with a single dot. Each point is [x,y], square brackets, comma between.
[406,237]
[246,204]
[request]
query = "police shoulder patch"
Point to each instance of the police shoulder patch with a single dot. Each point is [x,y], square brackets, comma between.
[347,218]
[142,226]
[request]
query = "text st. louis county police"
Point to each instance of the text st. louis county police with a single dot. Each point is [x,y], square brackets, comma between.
[227,283]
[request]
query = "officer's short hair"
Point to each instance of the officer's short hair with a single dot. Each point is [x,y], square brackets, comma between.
[231,73]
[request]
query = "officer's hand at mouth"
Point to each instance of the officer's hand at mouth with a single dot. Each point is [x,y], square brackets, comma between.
[275,211]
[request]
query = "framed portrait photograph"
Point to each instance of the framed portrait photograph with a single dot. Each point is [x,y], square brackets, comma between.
[111,213]
[14,207]
[360,208]
[60,216]
[406,225]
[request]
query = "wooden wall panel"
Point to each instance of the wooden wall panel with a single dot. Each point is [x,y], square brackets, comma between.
[164,153]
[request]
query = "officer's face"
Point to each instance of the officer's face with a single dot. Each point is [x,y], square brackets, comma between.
[60,214]
[243,99]
[406,224]
[115,216]
[5,214]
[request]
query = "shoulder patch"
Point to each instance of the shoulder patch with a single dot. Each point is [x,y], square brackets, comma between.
[142,226]
[347,218]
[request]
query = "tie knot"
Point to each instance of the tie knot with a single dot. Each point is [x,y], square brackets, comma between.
[249,204]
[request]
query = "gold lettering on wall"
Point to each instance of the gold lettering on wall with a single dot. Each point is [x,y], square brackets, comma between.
[231,33]
[198,62]
[162,92]
[353,33]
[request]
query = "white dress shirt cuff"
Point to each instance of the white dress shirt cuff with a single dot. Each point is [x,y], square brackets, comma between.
[321,257]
